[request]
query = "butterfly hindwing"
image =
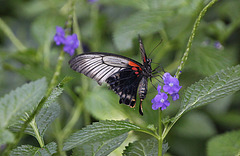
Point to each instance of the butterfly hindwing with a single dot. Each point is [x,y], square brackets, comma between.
[125,84]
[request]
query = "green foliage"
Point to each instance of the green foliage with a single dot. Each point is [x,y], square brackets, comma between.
[208,60]
[100,148]
[28,150]
[6,136]
[100,131]
[129,29]
[147,147]
[225,144]
[45,117]
[23,99]
[105,108]
[192,124]
[211,88]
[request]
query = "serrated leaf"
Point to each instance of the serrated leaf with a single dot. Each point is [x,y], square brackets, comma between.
[134,25]
[100,148]
[45,117]
[23,99]
[6,136]
[57,91]
[28,150]
[47,114]
[210,89]
[98,131]
[147,147]
[224,145]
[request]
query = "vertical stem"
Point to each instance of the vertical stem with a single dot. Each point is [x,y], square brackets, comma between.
[8,32]
[57,73]
[160,140]
[190,40]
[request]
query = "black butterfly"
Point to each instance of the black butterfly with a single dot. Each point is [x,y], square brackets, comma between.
[123,74]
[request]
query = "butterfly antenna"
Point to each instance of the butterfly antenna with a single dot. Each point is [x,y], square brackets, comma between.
[155,47]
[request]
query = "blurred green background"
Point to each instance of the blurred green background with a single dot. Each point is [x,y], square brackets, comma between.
[112,26]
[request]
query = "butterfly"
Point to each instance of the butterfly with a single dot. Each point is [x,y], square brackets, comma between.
[125,76]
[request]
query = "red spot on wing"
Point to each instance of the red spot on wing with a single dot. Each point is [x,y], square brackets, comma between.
[144,59]
[134,66]
[136,73]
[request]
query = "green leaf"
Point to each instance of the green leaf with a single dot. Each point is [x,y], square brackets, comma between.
[147,147]
[130,28]
[195,125]
[57,91]
[208,60]
[23,99]
[103,104]
[28,150]
[6,136]
[225,144]
[229,119]
[99,131]
[45,117]
[210,89]
[48,113]
[100,148]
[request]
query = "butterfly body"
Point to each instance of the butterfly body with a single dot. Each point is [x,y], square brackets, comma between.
[125,76]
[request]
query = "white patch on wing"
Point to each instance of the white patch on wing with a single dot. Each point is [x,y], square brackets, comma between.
[115,61]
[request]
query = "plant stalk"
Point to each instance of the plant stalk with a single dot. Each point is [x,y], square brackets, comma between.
[160,140]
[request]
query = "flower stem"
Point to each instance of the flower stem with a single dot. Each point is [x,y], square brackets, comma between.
[190,40]
[56,74]
[160,140]
[33,124]
[11,36]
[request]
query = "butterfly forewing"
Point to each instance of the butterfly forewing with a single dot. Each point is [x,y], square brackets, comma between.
[100,66]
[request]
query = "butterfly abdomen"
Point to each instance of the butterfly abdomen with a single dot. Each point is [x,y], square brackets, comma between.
[142,90]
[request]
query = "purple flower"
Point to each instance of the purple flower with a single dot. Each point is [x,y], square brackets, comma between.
[71,43]
[160,101]
[59,37]
[218,45]
[175,96]
[171,84]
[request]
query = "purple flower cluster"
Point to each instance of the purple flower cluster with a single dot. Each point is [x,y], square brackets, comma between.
[171,86]
[70,42]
